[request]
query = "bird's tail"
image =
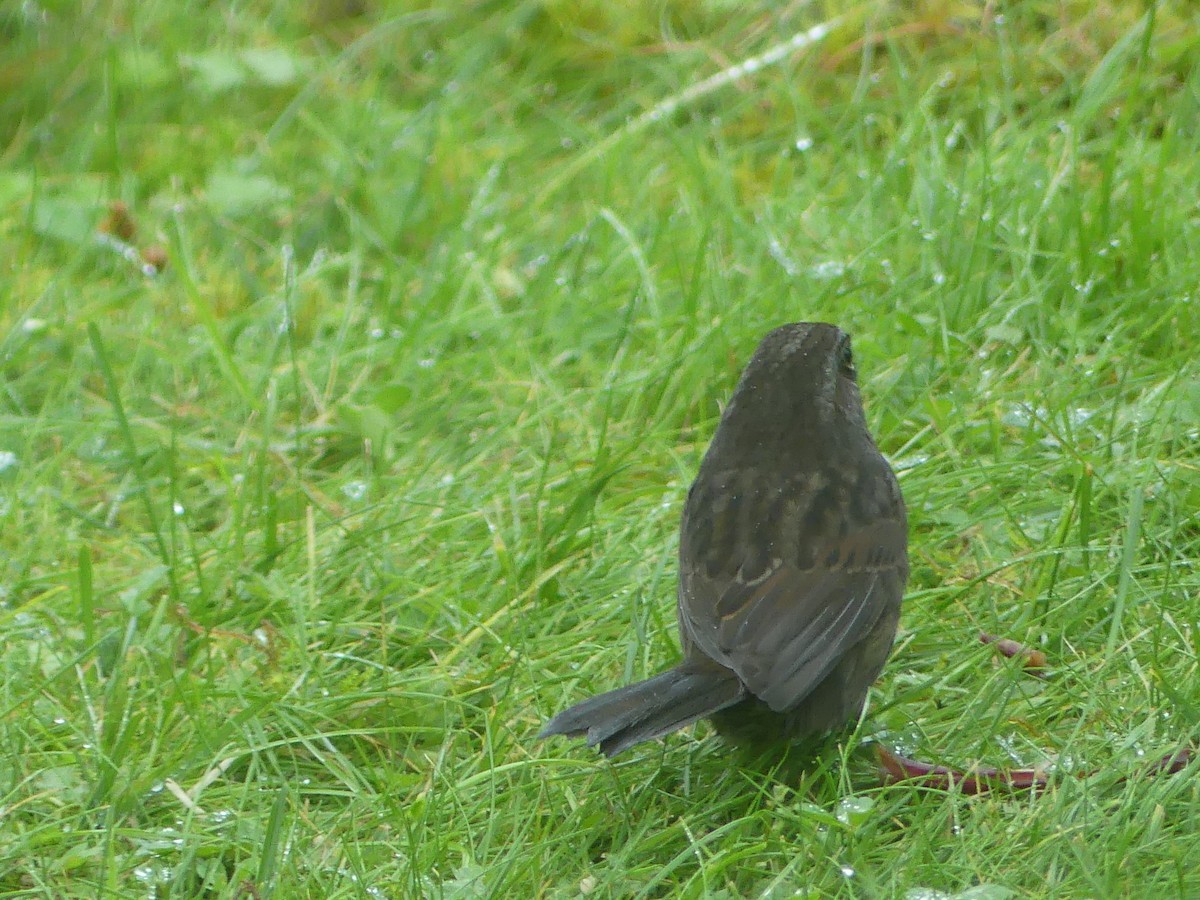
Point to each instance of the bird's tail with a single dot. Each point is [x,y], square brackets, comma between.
[667,702]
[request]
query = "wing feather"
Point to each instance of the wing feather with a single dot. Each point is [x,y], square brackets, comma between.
[786,630]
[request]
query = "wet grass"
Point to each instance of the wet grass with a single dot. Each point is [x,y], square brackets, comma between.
[354,363]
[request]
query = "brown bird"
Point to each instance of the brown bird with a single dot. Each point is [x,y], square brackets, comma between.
[792,561]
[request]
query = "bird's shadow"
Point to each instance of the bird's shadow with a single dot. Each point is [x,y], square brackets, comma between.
[818,766]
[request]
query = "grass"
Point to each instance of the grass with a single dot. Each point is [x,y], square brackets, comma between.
[302,538]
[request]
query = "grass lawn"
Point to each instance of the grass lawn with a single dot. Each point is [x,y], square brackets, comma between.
[355,359]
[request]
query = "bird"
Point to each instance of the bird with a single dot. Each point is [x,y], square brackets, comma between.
[793,558]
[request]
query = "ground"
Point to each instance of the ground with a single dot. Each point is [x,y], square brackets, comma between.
[355,358]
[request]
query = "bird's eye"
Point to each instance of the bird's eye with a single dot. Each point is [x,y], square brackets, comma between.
[846,358]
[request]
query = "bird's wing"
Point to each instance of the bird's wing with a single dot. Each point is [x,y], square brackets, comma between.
[785,630]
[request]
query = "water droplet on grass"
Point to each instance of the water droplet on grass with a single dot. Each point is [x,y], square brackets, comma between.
[853,811]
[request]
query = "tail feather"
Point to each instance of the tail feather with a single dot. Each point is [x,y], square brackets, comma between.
[640,712]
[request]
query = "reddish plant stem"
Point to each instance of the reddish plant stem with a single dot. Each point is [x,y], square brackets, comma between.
[895,768]
[1035,660]
[977,781]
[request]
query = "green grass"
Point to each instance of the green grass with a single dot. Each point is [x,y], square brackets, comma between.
[302,539]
